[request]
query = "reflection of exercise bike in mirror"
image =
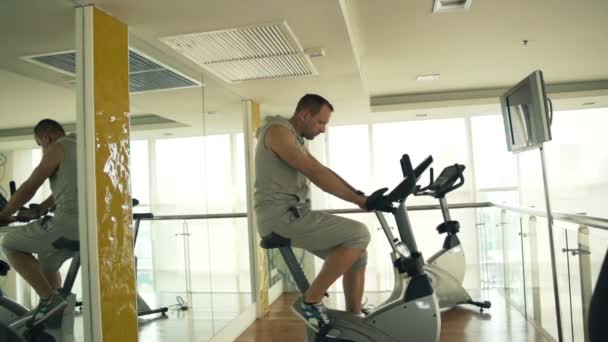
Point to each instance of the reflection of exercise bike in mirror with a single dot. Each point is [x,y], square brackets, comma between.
[143,309]
[16,324]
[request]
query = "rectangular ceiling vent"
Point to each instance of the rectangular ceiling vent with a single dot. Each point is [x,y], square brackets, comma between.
[145,74]
[246,53]
[442,6]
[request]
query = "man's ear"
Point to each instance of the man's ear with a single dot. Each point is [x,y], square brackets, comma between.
[306,114]
[300,116]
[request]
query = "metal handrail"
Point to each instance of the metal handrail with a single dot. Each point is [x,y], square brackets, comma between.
[584,220]
[197,216]
[331,211]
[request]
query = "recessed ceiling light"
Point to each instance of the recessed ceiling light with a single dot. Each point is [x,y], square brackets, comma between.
[315,52]
[441,6]
[431,77]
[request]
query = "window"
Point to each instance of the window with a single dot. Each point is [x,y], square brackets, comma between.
[495,167]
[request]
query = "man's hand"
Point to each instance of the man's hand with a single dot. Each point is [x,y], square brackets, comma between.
[26,215]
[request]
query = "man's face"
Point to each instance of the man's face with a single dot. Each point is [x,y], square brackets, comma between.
[314,124]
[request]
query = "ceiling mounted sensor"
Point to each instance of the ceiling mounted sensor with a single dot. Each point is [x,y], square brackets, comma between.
[443,6]
[257,52]
[145,73]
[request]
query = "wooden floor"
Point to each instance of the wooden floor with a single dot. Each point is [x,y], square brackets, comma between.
[499,324]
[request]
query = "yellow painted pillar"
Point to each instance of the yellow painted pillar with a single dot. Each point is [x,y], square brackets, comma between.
[259,263]
[104,177]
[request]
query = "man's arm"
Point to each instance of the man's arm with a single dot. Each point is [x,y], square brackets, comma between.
[352,188]
[51,160]
[280,140]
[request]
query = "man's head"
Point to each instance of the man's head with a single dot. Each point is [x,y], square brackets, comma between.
[312,115]
[47,132]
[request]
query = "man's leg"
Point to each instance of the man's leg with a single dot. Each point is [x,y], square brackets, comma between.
[338,261]
[29,268]
[354,284]
[54,278]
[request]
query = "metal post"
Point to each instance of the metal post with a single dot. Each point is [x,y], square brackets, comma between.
[505,256]
[185,236]
[522,236]
[558,313]
[535,271]
[585,269]
[444,209]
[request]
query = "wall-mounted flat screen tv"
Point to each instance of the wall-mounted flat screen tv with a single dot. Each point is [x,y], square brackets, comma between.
[525,112]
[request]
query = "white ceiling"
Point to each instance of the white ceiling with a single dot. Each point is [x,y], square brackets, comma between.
[480,48]
[374,49]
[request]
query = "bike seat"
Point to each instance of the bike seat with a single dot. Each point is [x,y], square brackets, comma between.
[274,241]
[70,245]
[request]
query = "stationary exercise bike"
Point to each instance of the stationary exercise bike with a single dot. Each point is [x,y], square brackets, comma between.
[413,315]
[447,267]
[15,320]
[143,308]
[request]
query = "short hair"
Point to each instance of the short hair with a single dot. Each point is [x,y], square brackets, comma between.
[48,125]
[313,103]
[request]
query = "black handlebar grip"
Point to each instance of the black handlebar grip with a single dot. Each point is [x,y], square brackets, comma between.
[406,166]
[13,187]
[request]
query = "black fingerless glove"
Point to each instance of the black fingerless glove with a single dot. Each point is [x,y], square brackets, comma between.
[378,202]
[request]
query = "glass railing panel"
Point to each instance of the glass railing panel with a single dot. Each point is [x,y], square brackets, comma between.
[205,262]
[530,265]
[575,260]
[548,317]
[568,279]
[514,262]
[161,270]
[491,248]
[230,270]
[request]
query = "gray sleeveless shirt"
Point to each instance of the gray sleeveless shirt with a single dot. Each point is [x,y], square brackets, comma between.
[278,186]
[64,184]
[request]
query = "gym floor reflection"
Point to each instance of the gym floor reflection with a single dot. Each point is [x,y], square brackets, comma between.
[207,315]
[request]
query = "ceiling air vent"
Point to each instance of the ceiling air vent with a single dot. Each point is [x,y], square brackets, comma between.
[144,73]
[442,6]
[246,53]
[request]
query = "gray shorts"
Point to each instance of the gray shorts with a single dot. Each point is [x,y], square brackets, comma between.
[37,237]
[319,232]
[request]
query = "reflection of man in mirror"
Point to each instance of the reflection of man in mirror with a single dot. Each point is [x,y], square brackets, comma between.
[18,244]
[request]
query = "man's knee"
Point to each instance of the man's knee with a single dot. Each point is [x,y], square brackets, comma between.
[359,236]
